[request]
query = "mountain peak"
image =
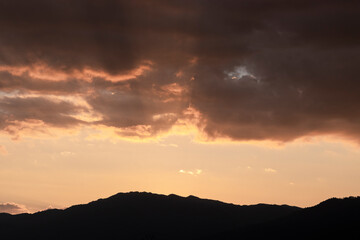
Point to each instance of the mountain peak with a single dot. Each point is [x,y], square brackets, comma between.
[145,215]
[136,215]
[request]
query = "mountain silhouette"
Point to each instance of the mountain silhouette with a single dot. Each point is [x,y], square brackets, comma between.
[141,215]
[333,218]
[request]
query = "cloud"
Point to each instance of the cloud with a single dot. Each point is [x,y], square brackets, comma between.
[195,172]
[270,170]
[12,208]
[169,145]
[16,112]
[24,82]
[252,69]
[137,107]
[66,154]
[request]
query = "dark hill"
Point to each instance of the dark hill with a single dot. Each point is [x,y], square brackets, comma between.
[137,215]
[151,216]
[333,218]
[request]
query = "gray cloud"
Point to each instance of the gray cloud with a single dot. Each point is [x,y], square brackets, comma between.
[151,104]
[12,208]
[10,82]
[299,61]
[15,110]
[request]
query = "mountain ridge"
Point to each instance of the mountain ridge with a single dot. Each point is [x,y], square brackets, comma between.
[144,215]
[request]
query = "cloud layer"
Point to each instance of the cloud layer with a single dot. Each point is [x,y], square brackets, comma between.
[12,208]
[251,70]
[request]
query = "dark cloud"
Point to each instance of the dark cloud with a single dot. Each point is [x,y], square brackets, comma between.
[152,105]
[12,208]
[254,69]
[24,82]
[294,93]
[15,110]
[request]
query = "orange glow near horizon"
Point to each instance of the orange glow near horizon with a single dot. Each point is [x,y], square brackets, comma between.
[89,164]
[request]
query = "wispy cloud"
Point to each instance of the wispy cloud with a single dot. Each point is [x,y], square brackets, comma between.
[66,154]
[270,170]
[13,208]
[168,145]
[195,172]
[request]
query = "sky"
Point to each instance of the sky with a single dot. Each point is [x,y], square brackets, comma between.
[250,101]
